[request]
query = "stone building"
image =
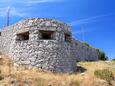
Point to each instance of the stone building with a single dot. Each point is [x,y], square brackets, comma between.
[44,43]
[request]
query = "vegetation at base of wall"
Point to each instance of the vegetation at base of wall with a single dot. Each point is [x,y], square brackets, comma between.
[77,61]
[102,55]
[113,59]
[104,74]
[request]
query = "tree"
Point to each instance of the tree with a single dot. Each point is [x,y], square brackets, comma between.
[113,59]
[102,55]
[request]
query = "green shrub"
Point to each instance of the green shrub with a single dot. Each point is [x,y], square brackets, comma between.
[102,55]
[97,50]
[1,77]
[74,83]
[113,59]
[104,74]
[86,44]
[77,61]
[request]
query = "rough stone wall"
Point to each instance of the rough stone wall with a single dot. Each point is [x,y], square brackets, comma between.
[48,55]
[85,53]
[8,34]
[56,55]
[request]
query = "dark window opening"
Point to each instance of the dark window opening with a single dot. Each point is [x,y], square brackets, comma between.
[0,33]
[47,35]
[22,36]
[67,38]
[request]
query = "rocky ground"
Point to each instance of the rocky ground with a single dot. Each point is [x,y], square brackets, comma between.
[20,75]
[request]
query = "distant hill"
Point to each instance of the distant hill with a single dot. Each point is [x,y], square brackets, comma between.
[15,75]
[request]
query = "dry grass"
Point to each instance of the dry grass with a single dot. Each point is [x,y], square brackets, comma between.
[22,76]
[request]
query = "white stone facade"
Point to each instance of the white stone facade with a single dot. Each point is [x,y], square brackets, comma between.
[44,43]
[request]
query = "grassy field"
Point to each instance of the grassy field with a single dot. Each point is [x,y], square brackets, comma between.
[15,75]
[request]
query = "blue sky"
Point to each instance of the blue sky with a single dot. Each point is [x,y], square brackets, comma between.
[92,21]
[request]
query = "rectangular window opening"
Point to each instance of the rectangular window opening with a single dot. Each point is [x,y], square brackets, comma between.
[22,36]
[67,38]
[0,33]
[46,35]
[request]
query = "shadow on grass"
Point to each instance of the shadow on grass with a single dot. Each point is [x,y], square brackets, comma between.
[80,69]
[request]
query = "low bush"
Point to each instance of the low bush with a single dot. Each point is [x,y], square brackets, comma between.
[1,77]
[102,55]
[86,44]
[104,74]
[75,83]
[113,59]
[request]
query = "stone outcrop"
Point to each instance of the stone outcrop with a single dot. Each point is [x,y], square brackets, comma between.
[44,43]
